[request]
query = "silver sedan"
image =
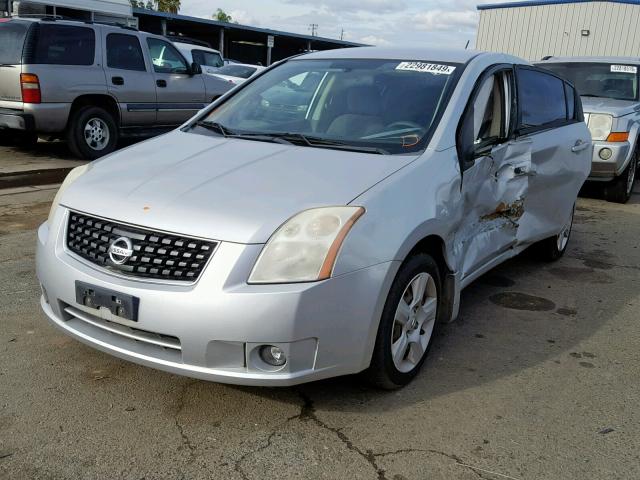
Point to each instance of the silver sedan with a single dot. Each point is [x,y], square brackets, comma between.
[319,220]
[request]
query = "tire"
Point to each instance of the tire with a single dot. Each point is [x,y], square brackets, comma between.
[620,189]
[389,371]
[92,133]
[553,248]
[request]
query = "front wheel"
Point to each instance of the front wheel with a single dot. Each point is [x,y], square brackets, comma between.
[407,324]
[620,189]
[92,133]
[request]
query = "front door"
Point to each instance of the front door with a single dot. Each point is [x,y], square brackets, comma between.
[495,170]
[129,79]
[180,94]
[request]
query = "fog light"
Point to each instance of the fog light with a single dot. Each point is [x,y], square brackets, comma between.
[605,153]
[273,355]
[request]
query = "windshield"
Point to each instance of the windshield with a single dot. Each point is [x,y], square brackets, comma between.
[617,81]
[240,71]
[208,59]
[385,104]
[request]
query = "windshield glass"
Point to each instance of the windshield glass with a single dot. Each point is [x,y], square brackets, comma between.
[240,71]
[208,59]
[617,81]
[385,104]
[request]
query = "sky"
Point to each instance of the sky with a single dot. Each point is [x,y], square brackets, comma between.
[448,23]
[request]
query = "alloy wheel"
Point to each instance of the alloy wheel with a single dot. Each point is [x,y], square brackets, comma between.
[96,134]
[413,323]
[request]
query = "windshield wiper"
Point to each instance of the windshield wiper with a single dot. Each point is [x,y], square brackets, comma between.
[319,142]
[214,126]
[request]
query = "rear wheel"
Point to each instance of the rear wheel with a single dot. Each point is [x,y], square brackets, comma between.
[92,133]
[407,324]
[620,189]
[553,248]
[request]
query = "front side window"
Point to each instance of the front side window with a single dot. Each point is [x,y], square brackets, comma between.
[64,45]
[491,109]
[606,80]
[207,59]
[542,99]
[124,52]
[389,105]
[165,57]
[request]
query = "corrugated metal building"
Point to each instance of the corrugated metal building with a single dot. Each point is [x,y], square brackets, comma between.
[534,29]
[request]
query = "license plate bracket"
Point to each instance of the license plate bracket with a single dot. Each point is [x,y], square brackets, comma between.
[119,304]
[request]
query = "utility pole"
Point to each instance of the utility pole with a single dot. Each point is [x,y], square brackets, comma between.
[314,29]
[342,34]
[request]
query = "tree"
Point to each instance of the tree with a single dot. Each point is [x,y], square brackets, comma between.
[169,6]
[223,16]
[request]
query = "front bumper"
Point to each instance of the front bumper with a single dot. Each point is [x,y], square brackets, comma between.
[605,170]
[212,329]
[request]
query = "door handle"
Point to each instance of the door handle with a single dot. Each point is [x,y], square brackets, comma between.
[117,80]
[580,146]
[161,83]
[523,172]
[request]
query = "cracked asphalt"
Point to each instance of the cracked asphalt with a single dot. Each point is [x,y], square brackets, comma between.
[538,379]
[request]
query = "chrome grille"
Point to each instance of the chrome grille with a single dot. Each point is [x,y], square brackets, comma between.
[156,255]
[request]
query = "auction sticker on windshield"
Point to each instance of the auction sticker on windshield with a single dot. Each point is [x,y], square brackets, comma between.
[435,68]
[624,69]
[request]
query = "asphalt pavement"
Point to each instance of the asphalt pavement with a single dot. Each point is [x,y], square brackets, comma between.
[538,379]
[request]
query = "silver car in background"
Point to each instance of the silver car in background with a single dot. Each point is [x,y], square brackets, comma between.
[254,247]
[610,96]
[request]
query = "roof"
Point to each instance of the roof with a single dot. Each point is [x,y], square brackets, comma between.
[538,3]
[267,31]
[613,60]
[398,53]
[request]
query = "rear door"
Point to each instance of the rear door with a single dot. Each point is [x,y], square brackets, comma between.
[129,79]
[12,37]
[179,94]
[550,117]
[495,171]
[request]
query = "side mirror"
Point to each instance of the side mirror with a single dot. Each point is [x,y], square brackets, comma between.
[196,69]
[465,142]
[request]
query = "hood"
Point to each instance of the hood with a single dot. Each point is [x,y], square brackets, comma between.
[224,189]
[228,78]
[610,106]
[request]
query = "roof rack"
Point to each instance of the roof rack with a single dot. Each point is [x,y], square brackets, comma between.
[189,40]
[546,57]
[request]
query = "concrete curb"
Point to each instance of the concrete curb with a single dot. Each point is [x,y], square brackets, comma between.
[33,177]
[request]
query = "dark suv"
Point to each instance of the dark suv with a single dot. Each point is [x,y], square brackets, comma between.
[92,83]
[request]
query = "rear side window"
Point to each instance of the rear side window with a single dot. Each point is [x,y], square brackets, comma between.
[124,52]
[12,35]
[571,101]
[63,45]
[542,99]
[209,59]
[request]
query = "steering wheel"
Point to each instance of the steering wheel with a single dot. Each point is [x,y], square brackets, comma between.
[615,93]
[404,124]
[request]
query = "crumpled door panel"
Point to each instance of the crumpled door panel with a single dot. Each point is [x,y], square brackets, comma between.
[494,192]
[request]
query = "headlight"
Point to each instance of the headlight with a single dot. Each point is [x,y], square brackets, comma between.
[600,126]
[71,177]
[305,247]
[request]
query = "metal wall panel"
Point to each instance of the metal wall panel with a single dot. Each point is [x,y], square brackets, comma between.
[532,32]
